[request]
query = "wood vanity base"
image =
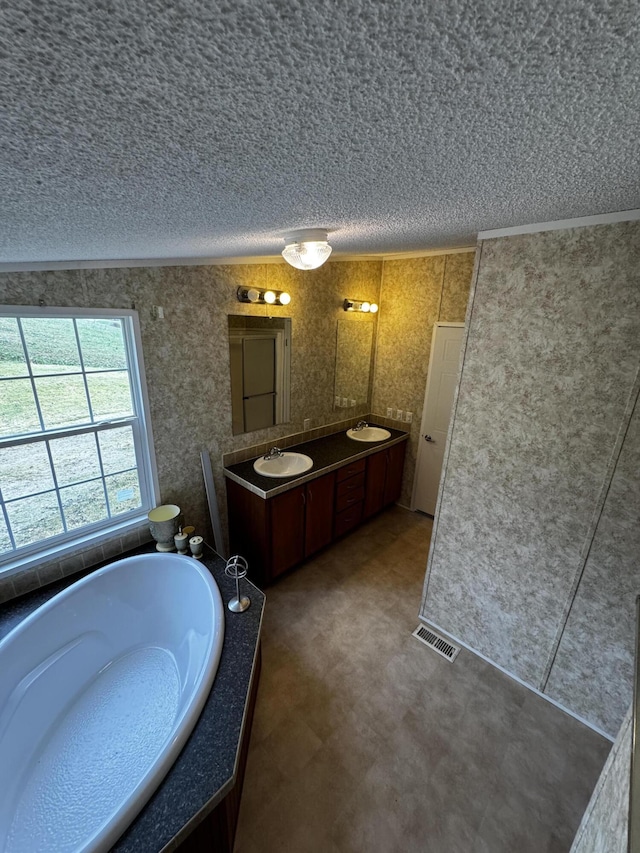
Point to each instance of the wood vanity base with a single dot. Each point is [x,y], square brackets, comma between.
[277,533]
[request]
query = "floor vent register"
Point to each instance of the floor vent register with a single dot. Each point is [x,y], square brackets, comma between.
[436,642]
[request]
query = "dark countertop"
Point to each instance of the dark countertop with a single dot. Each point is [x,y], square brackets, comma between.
[205,769]
[328,453]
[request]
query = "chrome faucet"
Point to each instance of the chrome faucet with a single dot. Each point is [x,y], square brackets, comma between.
[360,425]
[273,453]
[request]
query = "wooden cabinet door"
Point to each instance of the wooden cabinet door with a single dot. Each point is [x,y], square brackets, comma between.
[374,483]
[287,529]
[395,467]
[319,518]
[249,530]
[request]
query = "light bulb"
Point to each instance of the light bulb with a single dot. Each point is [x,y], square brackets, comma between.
[253,295]
[365,307]
[269,297]
[373,308]
[284,299]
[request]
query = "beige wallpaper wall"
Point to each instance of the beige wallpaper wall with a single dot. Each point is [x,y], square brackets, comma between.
[604,825]
[415,293]
[187,361]
[534,554]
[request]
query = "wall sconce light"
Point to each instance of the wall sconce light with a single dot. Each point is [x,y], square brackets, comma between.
[356,305]
[262,297]
[306,250]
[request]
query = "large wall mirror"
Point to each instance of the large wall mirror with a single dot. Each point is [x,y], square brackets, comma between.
[260,358]
[354,358]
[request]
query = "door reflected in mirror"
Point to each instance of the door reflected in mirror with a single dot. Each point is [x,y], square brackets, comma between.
[260,359]
[354,357]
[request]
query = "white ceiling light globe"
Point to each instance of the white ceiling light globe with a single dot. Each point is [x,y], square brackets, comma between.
[306,250]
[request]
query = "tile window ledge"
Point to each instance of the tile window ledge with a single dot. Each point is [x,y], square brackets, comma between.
[46,567]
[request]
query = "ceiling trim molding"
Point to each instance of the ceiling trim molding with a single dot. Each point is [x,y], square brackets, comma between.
[561,224]
[123,263]
[401,256]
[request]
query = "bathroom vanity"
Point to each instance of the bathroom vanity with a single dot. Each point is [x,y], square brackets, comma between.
[195,807]
[278,523]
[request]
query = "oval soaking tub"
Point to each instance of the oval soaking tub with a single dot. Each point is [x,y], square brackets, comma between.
[100,688]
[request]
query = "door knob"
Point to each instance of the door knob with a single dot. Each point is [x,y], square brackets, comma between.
[428,438]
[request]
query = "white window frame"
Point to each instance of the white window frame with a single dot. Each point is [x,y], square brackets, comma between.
[90,535]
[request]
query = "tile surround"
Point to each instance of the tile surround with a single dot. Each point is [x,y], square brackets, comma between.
[290,440]
[50,571]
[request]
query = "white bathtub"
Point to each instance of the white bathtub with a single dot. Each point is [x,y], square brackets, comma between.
[99,690]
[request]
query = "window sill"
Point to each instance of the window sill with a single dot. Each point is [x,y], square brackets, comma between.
[14,568]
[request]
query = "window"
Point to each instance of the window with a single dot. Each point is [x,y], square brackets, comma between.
[75,448]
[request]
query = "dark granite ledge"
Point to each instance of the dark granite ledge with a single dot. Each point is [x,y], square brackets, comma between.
[205,770]
[328,453]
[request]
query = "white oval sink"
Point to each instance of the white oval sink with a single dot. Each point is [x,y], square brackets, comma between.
[369,434]
[287,465]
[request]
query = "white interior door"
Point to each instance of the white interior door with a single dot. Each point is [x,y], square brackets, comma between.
[441,385]
[259,381]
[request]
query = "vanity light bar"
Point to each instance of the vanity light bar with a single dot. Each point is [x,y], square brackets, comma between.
[262,297]
[357,305]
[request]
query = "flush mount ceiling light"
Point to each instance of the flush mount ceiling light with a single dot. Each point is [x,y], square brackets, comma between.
[306,250]
[262,297]
[356,305]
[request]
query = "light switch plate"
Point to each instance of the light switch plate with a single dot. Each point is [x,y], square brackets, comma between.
[389,412]
[306,424]
[408,417]
[337,401]
[399,415]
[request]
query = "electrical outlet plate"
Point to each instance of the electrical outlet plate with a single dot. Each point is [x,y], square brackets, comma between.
[337,401]
[353,402]
[306,424]
[399,415]
[345,402]
[389,412]
[408,417]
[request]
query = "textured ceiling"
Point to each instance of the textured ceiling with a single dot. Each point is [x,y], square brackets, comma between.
[133,129]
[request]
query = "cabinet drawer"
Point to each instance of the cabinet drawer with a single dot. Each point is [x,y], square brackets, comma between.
[350,469]
[348,518]
[351,485]
[349,499]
